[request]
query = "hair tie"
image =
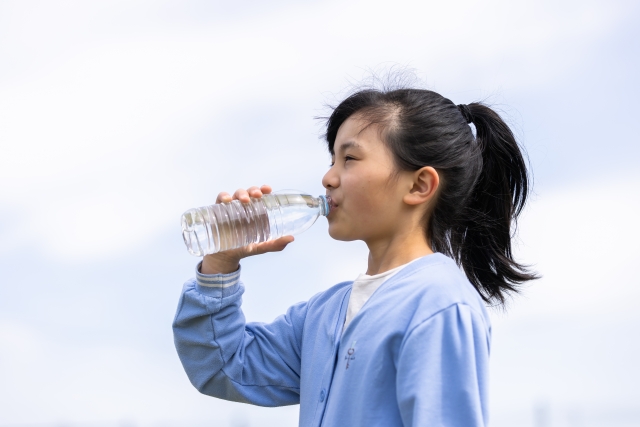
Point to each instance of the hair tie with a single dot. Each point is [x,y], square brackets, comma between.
[466,113]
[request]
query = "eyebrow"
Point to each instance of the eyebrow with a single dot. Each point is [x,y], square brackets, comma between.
[348,144]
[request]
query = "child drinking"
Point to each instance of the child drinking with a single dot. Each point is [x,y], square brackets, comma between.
[406,343]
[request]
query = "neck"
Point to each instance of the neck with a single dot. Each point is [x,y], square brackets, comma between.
[401,249]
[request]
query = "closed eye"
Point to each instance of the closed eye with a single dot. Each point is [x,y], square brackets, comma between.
[345,159]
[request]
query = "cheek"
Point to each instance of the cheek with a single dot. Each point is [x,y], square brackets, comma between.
[364,198]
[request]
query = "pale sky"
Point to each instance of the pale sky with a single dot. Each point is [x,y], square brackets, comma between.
[116,117]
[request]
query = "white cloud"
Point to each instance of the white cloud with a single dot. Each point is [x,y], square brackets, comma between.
[583,241]
[569,340]
[104,133]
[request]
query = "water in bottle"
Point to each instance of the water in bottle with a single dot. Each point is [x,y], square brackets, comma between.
[225,226]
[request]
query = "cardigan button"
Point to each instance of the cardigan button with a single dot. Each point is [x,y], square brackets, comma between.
[322,395]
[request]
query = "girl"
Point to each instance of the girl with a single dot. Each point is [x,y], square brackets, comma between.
[407,343]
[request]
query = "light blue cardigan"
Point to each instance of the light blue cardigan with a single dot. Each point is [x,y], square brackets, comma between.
[417,354]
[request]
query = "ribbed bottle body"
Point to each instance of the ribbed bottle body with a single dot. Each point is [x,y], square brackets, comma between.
[224,226]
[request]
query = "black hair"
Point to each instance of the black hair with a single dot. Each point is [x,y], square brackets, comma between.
[484,181]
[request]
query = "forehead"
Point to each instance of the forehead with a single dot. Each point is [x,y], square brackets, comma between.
[357,134]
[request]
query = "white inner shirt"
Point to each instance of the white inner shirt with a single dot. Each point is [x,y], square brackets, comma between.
[364,286]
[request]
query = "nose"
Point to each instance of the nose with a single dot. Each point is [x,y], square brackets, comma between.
[330,179]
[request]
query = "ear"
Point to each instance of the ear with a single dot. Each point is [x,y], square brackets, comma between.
[424,186]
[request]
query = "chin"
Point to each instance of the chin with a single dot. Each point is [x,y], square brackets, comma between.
[343,235]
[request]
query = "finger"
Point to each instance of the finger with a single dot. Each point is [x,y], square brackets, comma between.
[266,189]
[254,192]
[242,195]
[223,197]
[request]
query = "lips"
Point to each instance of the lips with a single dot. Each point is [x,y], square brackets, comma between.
[332,203]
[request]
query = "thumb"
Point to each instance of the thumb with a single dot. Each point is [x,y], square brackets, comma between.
[276,245]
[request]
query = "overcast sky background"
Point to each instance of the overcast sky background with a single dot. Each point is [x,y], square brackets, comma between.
[116,117]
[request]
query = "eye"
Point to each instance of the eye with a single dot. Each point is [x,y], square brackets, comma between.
[345,159]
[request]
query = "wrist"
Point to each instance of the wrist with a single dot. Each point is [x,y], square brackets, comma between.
[219,264]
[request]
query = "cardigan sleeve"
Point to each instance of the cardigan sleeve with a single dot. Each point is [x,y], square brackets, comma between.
[227,358]
[442,377]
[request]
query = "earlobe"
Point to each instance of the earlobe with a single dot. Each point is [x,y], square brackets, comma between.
[424,186]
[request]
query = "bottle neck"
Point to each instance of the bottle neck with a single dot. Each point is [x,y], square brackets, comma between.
[325,205]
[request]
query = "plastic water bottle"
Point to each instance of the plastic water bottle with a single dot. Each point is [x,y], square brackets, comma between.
[232,225]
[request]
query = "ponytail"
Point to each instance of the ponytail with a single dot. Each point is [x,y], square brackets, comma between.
[481,243]
[483,179]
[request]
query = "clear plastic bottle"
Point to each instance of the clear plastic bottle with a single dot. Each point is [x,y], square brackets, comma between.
[225,226]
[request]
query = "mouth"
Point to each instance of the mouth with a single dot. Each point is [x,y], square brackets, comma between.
[332,204]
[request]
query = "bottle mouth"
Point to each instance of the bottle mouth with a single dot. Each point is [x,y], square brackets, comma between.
[325,205]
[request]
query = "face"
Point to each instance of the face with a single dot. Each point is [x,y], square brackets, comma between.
[367,205]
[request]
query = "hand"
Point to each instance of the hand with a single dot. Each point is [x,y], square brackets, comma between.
[228,261]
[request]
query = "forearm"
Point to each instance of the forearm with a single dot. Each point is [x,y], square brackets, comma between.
[208,327]
[224,357]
